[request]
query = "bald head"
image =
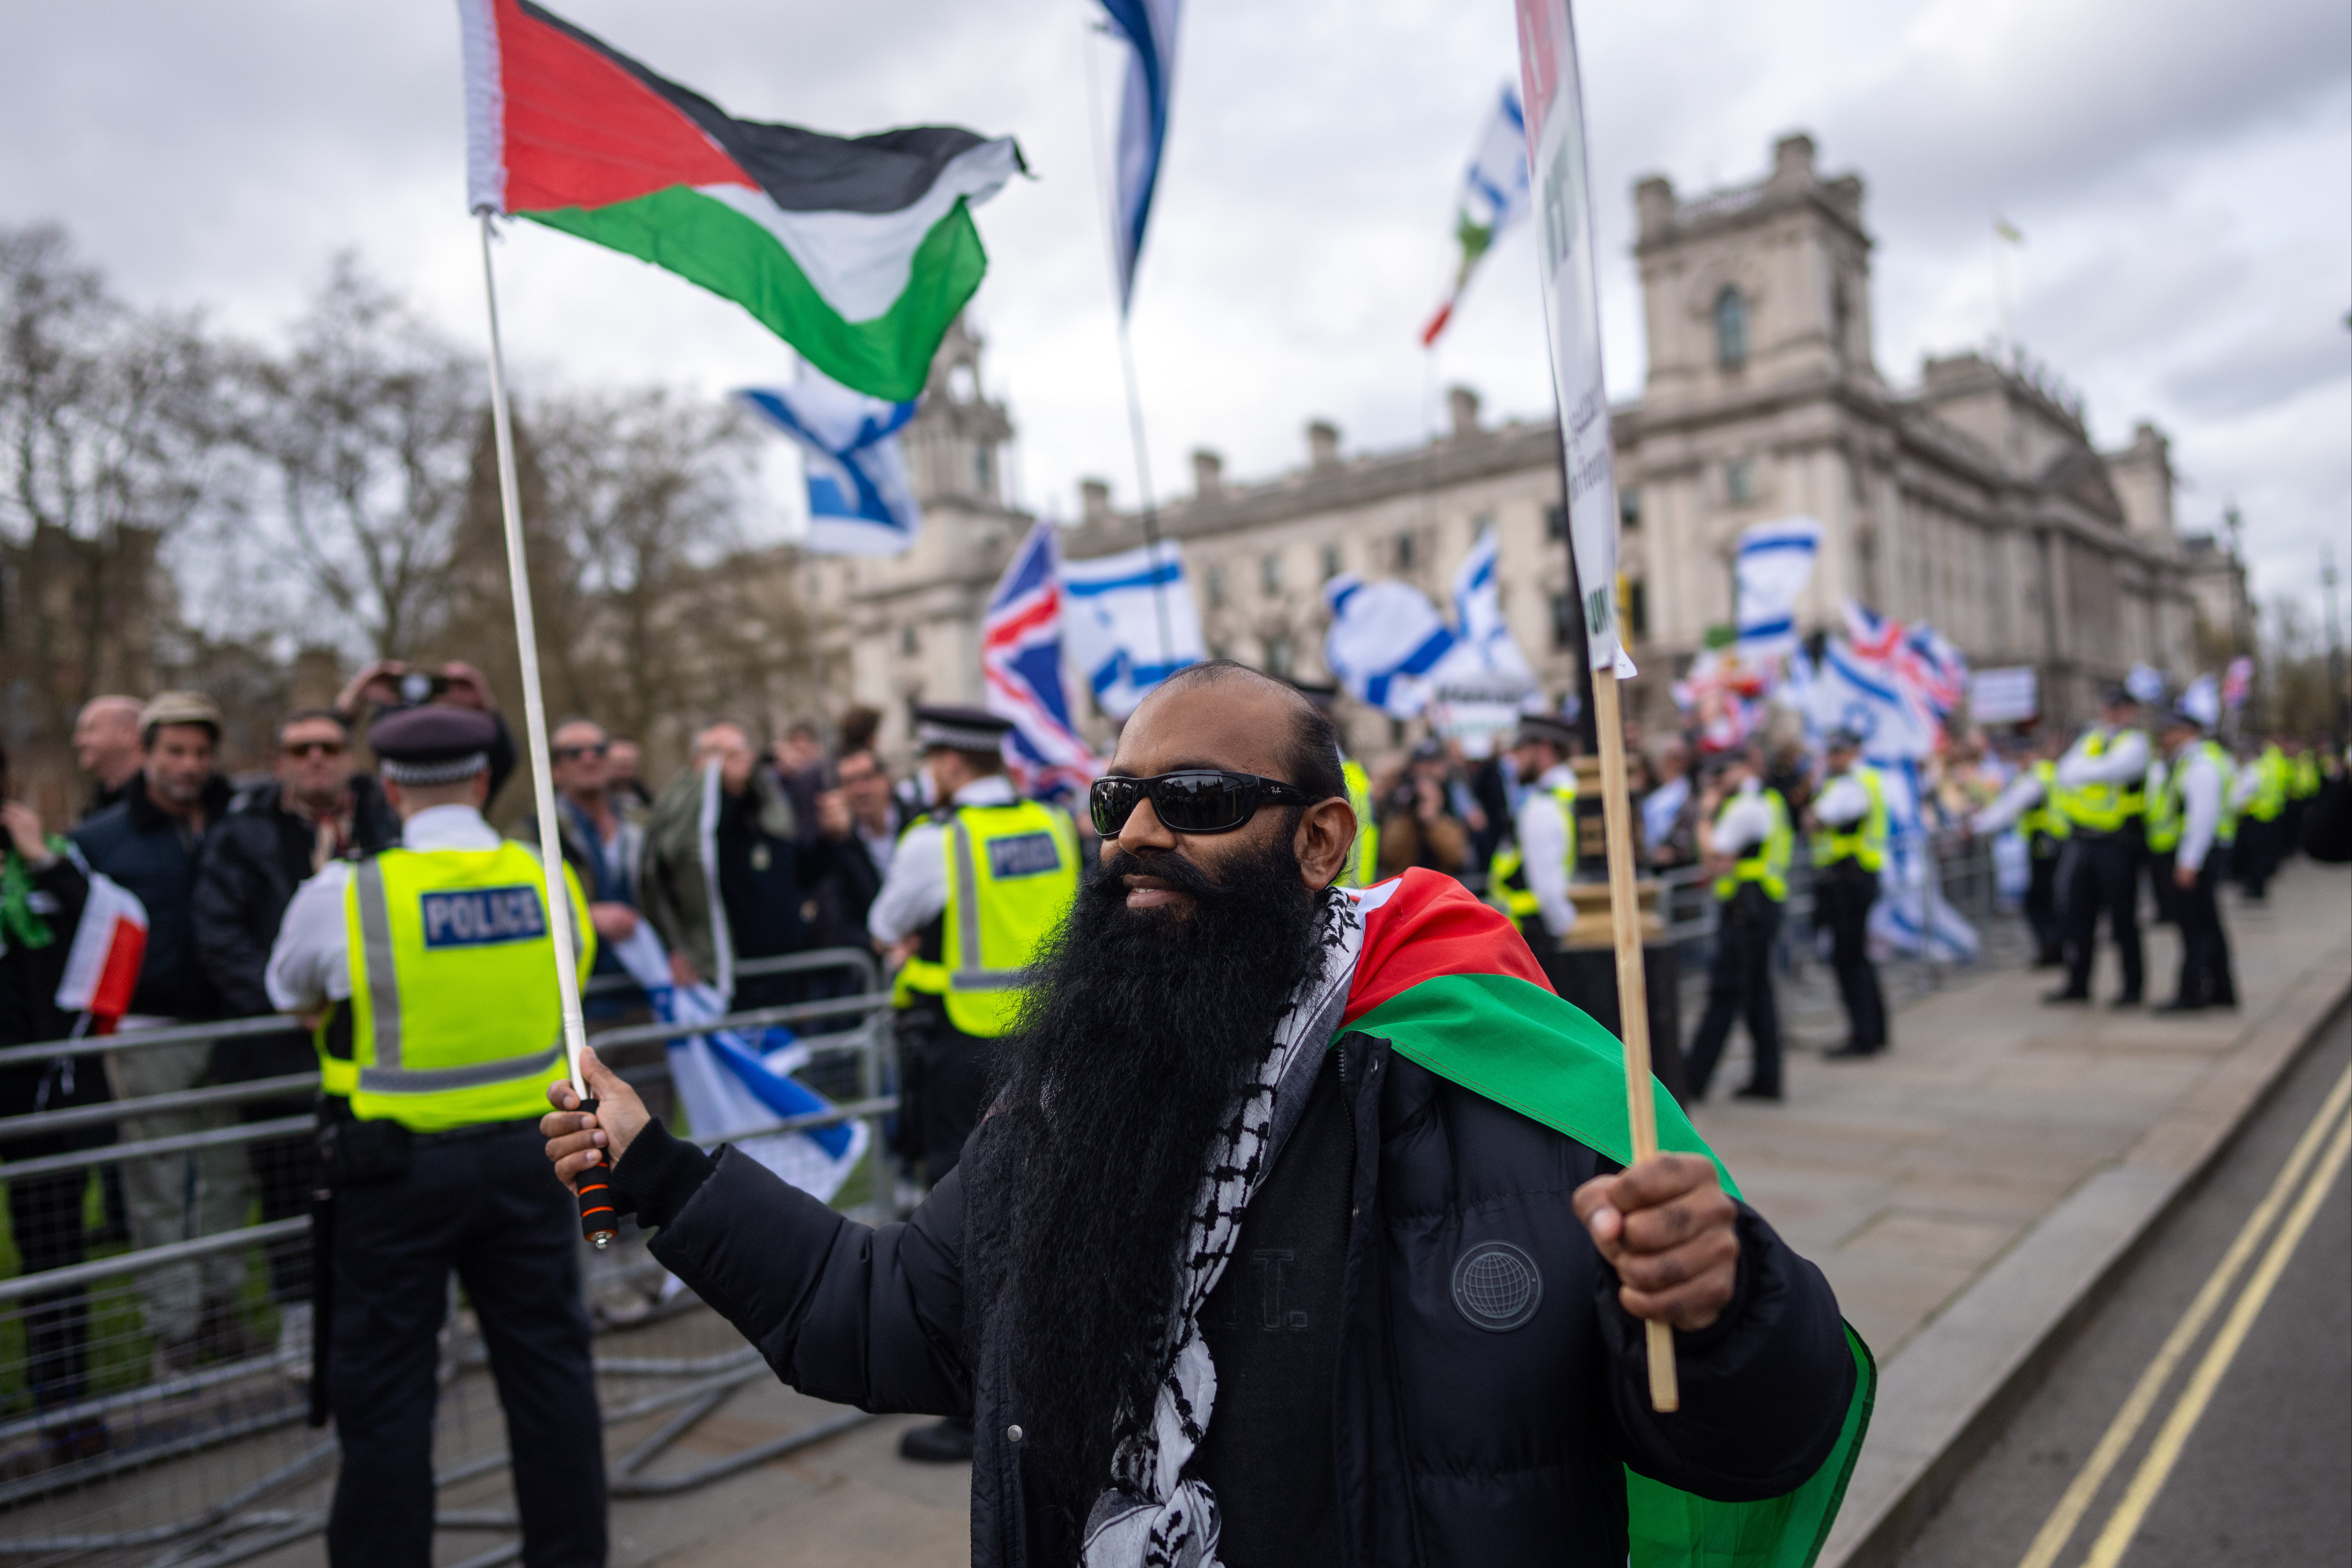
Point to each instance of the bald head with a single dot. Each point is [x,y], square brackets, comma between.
[106,739]
[1305,746]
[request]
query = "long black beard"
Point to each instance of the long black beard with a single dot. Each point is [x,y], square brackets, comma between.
[1141,1032]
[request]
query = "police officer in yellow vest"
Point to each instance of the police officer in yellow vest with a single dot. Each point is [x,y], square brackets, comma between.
[2261,794]
[2190,822]
[1849,850]
[1746,836]
[2028,803]
[430,970]
[1528,877]
[2102,791]
[973,888]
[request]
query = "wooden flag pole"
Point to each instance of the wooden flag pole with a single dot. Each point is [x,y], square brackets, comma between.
[596,1214]
[1632,986]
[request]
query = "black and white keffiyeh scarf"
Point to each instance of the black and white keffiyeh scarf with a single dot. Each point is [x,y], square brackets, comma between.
[1153,1515]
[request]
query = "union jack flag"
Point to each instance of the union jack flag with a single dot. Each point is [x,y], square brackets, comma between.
[1927,668]
[1021,663]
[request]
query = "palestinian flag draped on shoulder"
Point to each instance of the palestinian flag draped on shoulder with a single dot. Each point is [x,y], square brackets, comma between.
[1448,982]
[858,251]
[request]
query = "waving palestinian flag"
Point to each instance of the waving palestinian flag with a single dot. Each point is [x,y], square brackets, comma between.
[858,251]
[1449,983]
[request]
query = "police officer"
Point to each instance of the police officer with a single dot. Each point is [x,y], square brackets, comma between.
[2261,794]
[428,971]
[1849,850]
[2030,802]
[2102,792]
[973,887]
[2190,822]
[1528,877]
[1747,836]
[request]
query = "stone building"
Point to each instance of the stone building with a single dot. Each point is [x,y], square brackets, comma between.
[1975,500]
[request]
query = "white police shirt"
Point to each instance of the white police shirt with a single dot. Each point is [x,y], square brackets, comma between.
[310,964]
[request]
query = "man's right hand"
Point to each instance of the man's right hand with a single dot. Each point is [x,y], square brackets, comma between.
[576,1141]
[681,969]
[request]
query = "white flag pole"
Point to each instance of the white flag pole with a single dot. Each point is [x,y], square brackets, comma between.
[596,1214]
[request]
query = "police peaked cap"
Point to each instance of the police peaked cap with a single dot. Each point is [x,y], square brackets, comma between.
[939,727]
[433,745]
[1545,729]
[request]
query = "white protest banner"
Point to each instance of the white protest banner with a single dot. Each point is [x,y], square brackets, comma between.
[2004,695]
[1554,100]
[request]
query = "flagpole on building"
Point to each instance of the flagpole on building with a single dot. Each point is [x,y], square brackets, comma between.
[595,1210]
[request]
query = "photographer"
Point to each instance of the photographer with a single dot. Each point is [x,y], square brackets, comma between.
[1418,827]
[389,685]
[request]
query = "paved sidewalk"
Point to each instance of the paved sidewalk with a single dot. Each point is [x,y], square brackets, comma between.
[1907,1177]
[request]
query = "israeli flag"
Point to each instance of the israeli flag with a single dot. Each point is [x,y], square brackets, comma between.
[860,502]
[1148,26]
[1849,691]
[1912,915]
[1385,639]
[1774,564]
[1483,640]
[1129,622]
[730,1080]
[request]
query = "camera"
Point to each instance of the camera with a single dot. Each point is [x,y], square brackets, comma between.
[418,687]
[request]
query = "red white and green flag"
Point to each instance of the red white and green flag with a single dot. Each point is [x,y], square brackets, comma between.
[858,251]
[1449,983]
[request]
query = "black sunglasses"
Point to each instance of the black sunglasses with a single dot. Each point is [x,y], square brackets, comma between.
[1197,799]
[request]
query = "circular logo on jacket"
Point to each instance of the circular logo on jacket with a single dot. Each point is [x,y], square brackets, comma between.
[1496,1286]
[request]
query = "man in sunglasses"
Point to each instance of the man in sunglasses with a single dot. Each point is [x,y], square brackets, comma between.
[275,836]
[1241,1268]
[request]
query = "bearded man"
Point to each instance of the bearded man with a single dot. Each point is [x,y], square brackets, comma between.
[1239,1270]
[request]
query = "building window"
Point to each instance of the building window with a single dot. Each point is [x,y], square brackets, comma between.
[1269,573]
[1406,552]
[908,644]
[983,469]
[1279,659]
[1330,562]
[1555,522]
[1730,329]
[1739,481]
[1567,627]
[1637,609]
[1629,508]
[1217,582]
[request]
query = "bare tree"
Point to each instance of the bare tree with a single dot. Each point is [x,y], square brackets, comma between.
[368,424]
[111,447]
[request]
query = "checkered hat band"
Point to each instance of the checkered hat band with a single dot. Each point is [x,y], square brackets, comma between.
[451,772]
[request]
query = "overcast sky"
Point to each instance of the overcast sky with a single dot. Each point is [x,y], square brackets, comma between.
[2181,171]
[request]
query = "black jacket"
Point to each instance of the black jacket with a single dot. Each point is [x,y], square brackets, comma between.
[247,876]
[154,856]
[1452,1444]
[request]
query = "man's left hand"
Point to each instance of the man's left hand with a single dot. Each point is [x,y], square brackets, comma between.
[1669,1229]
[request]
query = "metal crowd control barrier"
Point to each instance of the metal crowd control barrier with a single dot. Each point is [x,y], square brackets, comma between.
[211,1466]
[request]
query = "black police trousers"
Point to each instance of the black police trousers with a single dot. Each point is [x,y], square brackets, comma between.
[1843,895]
[1739,985]
[2042,903]
[485,1204]
[2102,876]
[2205,979]
[944,1077]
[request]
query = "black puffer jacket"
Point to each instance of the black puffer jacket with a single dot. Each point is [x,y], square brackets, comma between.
[1454,1444]
[251,865]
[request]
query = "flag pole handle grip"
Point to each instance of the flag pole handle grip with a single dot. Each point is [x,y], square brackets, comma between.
[598,1217]
[1633,987]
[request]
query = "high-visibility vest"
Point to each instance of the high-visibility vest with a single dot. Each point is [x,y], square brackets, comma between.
[2102,807]
[1864,840]
[2302,778]
[1364,860]
[454,1018]
[1767,863]
[1012,873]
[2045,821]
[2168,814]
[1506,871]
[2269,785]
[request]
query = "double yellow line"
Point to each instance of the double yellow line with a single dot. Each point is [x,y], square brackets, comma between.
[2331,1130]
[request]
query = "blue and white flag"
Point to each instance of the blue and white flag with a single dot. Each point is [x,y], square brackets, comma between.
[1774,564]
[732,1081]
[1912,915]
[1482,641]
[1849,691]
[1021,663]
[860,500]
[1149,28]
[1131,622]
[1493,197]
[1385,637]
